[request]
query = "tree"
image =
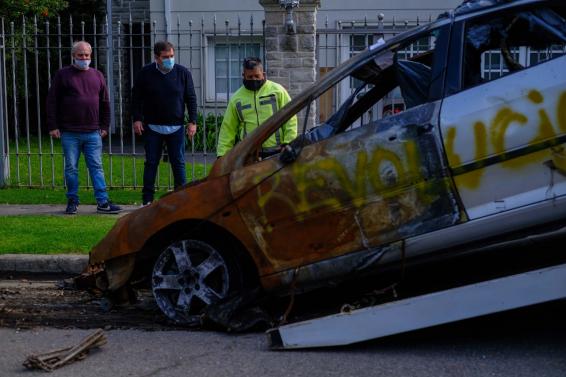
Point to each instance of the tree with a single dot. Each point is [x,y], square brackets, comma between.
[15,9]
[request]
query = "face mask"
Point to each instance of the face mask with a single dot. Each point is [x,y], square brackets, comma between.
[82,64]
[253,85]
[168,63]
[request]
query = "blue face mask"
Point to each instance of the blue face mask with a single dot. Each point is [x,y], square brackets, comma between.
[168,63]
[82,64]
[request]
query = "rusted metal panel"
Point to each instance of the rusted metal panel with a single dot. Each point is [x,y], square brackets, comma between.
[118,271]
[333,271]
[208,200]
[132,231]
[367,187]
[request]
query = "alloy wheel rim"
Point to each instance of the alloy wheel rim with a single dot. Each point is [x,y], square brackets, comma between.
[188,276]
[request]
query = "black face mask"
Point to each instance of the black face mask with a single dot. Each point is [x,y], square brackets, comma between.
[253,85]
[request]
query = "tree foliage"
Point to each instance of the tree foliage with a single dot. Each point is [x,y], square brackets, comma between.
[14,9]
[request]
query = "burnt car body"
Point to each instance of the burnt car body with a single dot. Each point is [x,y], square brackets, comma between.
[477,153]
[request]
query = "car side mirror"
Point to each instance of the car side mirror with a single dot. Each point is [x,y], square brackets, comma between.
[288,154]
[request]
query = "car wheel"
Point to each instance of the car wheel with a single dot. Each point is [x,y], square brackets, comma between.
[190,275]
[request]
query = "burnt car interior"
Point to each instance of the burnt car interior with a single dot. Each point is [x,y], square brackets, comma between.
[389,71]
[500,45]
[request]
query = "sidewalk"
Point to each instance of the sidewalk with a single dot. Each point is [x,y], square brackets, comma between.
[54,209]
[63,264]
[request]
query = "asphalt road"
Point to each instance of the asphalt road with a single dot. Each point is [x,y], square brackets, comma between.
[452,351]
[36,318]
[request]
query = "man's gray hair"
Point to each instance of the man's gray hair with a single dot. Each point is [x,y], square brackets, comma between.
[77,44]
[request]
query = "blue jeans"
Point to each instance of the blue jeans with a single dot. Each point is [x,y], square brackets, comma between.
[153,149]
[90,144]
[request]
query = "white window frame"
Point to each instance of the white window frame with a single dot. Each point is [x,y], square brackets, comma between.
[524,58]
[210,61]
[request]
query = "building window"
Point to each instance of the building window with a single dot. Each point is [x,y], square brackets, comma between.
[224,76]
[494,66]
[496,46]
[358,43]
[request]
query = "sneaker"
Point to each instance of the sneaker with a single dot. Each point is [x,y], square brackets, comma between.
[108,207]
[71,207]
[147,200]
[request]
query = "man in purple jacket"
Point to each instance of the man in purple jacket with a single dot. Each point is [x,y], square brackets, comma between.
[78,112]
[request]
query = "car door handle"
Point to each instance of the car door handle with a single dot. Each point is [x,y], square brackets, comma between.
[424,128]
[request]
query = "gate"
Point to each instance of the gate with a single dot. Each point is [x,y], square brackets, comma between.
[31,51]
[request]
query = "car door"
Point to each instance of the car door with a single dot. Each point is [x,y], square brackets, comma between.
[503,131]
[357,190]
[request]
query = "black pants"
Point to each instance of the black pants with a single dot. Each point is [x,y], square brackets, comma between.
[153,149]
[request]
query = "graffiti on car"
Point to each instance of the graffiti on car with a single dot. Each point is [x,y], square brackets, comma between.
[498,127]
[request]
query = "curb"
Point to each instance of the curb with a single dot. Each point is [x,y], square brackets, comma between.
[42,264]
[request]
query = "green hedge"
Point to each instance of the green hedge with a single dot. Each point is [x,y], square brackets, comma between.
[212,123]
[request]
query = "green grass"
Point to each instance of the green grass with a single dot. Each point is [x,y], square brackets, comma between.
[43,166]
[48,234]
[53,234]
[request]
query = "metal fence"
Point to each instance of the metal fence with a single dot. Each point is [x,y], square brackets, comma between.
[32,51]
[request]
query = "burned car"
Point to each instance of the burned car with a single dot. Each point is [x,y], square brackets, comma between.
[476,152]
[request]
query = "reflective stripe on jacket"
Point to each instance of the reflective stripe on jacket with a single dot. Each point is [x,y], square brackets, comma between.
[248,109]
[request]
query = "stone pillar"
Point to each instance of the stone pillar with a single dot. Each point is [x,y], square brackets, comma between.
[291,58]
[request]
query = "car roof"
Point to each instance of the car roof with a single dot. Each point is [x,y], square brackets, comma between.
[474,5]
[470,7]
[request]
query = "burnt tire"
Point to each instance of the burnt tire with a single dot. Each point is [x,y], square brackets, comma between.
[190,275]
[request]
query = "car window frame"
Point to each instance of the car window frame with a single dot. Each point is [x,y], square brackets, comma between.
[455,75]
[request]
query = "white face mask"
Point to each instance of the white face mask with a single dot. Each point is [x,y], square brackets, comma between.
[82,64]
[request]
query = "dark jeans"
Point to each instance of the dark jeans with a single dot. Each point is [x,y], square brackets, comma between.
[153,149]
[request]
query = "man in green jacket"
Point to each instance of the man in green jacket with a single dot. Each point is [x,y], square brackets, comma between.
[250,106]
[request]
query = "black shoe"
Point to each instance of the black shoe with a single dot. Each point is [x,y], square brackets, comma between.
[144,204]
[71,207]
[108,207]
